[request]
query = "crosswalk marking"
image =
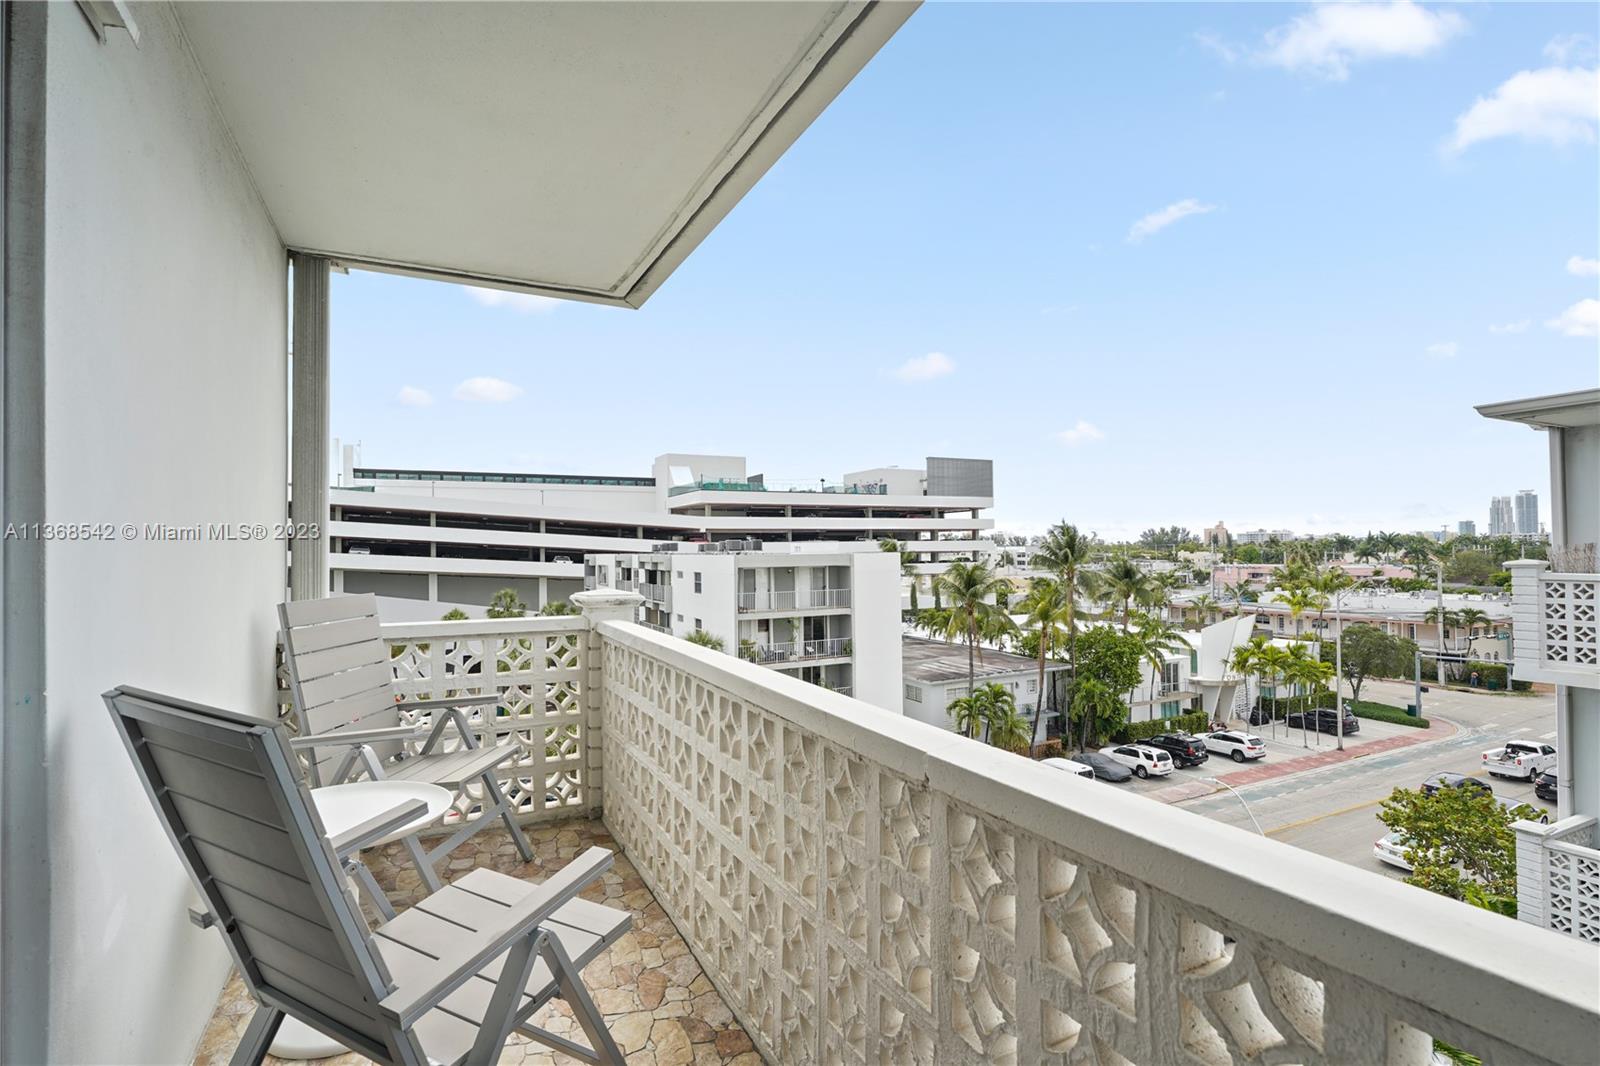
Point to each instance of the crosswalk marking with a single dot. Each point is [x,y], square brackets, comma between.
[1548,736]
[1524,729]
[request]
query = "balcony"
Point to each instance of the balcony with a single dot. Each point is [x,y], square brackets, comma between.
[793,600]
[721,485]
[1558,876]
[802,650]
[858,887]
[1555,623]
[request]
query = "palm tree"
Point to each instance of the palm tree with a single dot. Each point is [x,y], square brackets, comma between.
[1366,551]
[1048,612]
[1246,661]
[1204,607]
[1239,590]
[1063,552]
[973,591]
[968,713]
[1388,543]
[1157,639]
[908,567]
[1469,618]
[1125,581]
[1005,727]
[1273,661]
[1299,599]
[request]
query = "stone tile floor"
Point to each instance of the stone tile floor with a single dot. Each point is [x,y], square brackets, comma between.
[661,1008]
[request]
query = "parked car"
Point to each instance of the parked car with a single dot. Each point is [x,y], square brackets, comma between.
[1544,786]
[1447,780]
[1076,769]
[1391,848]
[1261,716]
[1142,759]
[1523,759]
[1104,766]
[1324,721]
[1236,745]
[1185,750]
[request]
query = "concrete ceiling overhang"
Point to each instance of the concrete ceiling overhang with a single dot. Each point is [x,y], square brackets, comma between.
[577,150]
[1564,410]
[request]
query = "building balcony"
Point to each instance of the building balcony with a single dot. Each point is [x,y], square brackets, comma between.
[802,651]
[1558,876]
[858,887]
[793,600]
[1555,623]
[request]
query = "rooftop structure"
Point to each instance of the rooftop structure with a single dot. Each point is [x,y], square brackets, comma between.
[825,613]
[935,674]
[427,541]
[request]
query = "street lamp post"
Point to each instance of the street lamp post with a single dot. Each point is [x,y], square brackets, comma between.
[1338,669]
[1242,803]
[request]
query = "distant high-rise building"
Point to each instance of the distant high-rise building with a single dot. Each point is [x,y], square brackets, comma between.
[1215,537]
[1500,520]
[1466,529]
[1527,508]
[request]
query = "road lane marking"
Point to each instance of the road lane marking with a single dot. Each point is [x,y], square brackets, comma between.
[1548,736]
[1320,817]
[1524,729]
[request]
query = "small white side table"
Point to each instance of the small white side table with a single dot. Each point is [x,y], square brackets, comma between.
[344,807]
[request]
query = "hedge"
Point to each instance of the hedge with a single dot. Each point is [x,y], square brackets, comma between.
[1491,676]
[1192,722]
[1289,704]
[1383,712]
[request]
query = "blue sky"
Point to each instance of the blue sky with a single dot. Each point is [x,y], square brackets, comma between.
[1356,224]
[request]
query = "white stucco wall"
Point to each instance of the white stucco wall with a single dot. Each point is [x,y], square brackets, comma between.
[165,402]
[875,629]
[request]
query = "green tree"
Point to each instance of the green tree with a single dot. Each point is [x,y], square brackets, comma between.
[705,640]
[1271,662]
[1246,662]
[1470,568]
[1299,599]
[454,614]
[1099,707]
[507,604]
[1125,582]
[1370,652]
[1112,662]
[1157,639]
[986,707]
[908,567]
[973,592]
[558,608]
[1460,843]
[1204,607]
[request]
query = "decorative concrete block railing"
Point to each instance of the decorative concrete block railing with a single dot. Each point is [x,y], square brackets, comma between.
[1555,625]
[1558,876]
[863,888]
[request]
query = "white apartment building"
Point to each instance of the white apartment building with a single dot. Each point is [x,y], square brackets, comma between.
[935,675]
[1261,536]
[426,541]
[825,613]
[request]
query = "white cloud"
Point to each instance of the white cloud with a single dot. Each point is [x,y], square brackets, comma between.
[1583,268]
[1082,433]
[1332,36]
[1556,105]
[1582,319]
[524,303]
[1443,350]
[487,390]
[1520,326]
[1225,50]
[1569,48]
[925,367]
[412,396]
[1156,221]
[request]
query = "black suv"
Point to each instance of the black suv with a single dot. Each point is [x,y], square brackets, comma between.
[1324,722]
[1544,786]
[1448,780]
[1185,750]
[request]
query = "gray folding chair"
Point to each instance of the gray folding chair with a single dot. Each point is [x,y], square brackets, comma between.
[341,684]
[445,982]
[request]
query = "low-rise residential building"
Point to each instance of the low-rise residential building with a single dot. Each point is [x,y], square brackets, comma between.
[452,539]
[825,613]
[935,675]
[1259,575]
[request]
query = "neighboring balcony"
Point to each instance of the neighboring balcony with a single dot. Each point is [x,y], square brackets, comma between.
[1556,622]
[802,651]
[1558,876]
[859,887]
[793,600]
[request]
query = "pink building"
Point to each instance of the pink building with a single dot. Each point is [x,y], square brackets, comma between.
[1259,574]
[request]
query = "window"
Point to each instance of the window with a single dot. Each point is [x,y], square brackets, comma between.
[1033,686]
[1194,661]
[1171,709]
[913,692]
[680,618]
[697,624]
[697,581]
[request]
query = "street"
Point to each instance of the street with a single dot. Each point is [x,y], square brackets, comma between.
[1332,810]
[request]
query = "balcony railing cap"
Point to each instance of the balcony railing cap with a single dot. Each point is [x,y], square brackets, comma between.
[607,604]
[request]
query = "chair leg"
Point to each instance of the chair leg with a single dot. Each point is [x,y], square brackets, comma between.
[257,1037]
[593,1023]
[507,813]
[424,865]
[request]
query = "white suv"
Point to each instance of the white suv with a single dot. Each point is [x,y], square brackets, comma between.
[1236,745]
[1141,759]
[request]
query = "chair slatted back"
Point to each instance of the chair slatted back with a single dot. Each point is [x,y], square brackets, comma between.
[227,792]
[339,673]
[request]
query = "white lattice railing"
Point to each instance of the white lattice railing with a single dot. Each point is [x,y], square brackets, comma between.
[1555,625]
[1558,876]
[863,888]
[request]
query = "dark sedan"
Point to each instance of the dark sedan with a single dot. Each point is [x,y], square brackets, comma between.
[1544,786]
[1185,750]
[1438,781]
[1104,766]
[1324,721]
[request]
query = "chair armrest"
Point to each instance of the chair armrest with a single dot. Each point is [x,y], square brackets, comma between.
[445,703]
[347,737]
[376,828]
[449,972]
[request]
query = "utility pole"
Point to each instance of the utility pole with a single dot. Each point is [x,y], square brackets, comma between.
[1338,669]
